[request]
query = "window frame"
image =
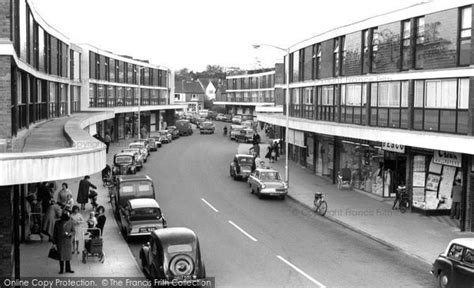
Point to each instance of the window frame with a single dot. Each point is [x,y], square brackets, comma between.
[462,38]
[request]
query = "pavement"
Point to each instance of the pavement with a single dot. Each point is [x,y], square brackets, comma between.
[417,235]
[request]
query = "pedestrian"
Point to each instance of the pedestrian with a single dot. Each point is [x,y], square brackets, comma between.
[101,218]
[277,149]
[456,204]
[269,153]
[44,196]
[63,195]
[50,217]
[83,192]
[78,222]
[62,238]
[107,141]
[69,203]
[255,150]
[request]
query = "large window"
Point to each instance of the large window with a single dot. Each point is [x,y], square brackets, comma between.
[296,65]
[389,104]
[308,102]
[406,47]
[100,96]
[295,108]
[419,41]
[53,99]
[353,102]
[110,96]
[465,36]
[441,105]
[365,51]
[336,57]
[317,61]
[92,93]
[325,106]
[374,48]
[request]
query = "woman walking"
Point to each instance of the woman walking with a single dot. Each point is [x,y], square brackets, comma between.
[83,192]
[62,238]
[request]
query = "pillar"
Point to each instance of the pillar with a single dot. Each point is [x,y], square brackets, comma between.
[6,231]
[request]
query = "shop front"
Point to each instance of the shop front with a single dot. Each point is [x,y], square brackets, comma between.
[297,147]
[438,182]
[325,157]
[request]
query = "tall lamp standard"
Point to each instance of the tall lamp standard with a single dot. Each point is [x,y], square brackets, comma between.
[287,102]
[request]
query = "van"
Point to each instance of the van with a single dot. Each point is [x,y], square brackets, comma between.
[184,127]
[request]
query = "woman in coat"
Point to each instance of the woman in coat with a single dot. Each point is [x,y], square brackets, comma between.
[63,234]
[50,217]
[83,192]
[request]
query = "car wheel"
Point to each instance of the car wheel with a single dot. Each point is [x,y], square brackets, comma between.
[142,260]
[146,159]
[282,197]
[443,280]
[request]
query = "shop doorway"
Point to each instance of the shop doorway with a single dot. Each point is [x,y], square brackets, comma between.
[395,167]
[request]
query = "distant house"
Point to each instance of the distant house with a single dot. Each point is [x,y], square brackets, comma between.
[191,93]
[210,87]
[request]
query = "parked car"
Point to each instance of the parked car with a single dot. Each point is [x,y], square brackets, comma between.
[245,135]
[125,163]
[131,187]
[165,136]
[152,144]
[173,254]
[247,123]
[184,127]
[234,131]
[140,217]
[145,142]
[237,119]
[174,132]
[157,139]
[211,115]
[267,182]
[455,266]
[199,122]
[138,156]
[142,147]
[241,166]
[228,118]
[221,117]
[207,127]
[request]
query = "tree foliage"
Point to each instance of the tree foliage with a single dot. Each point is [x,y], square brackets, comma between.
[211,72]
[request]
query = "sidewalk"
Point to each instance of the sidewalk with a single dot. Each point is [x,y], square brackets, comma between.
[421,236]
[119,261]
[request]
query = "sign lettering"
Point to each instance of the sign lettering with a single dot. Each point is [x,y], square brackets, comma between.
[393,147]
[447,158]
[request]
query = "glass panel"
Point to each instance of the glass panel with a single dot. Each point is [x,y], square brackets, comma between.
[463,97]
[373,96]
[431,120]
[462,122]
[466,18]
[418,101]
[349,114]
[296,61]
[465,51]
[404,118]
[394,118]
[356,113]
[447,121]
[418,119]
[448,93]
[373,116]
[343,94]
[404,95]
[383,117]
[433,93]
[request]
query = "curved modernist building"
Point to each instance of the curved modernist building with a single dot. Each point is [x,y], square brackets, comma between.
[70,92]
[391,98]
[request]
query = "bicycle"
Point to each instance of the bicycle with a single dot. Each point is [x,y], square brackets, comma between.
[320,205]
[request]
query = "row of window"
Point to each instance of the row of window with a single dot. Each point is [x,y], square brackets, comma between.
[437,104]
[112,70]
[112,96]
[257,82]
[409,44]
[254,97]
[37,47]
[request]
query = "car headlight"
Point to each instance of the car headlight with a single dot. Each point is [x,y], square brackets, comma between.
[263,186]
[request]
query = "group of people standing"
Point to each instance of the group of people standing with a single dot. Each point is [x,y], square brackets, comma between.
[273,151]
[62,221]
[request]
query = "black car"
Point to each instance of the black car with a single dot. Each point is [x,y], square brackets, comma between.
[174,132]
[241,166]
[173,254]
[125,163]
[131,187]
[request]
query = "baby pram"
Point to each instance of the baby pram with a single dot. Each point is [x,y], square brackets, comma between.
[344,178]
[93,244]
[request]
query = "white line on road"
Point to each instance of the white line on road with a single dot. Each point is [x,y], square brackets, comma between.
[209,204]
[243,231]
[301,272]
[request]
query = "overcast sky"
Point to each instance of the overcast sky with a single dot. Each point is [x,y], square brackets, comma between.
[195,33]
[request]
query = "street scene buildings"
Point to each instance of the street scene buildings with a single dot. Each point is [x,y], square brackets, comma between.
[377,116]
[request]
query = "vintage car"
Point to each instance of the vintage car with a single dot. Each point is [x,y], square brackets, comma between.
[140,217]
[207,127]
[142,146]
[157,137]
[174,132]
[152,144]
[131,187]
[267,182]
[173,254]
[125,163]
[245,135]
[220,117]
[237,119]
[247,123]
[241,166]
[455,266]
[234,131]
[166,136]
[199,122]
[184,127]
[138,157]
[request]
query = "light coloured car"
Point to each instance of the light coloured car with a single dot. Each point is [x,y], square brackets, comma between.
[166,136]
[207,127]
[140,217]
[220,117]
[138,156]
[267,182]
[142,147]
[455,266]
[234,131]
[237,119]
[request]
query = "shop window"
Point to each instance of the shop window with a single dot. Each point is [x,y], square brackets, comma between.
[465,36]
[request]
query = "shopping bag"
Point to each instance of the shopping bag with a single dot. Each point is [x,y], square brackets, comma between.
[53,253]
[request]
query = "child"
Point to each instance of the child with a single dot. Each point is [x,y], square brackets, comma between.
[78,221]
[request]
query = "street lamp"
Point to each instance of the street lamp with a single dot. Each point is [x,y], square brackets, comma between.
[287,102]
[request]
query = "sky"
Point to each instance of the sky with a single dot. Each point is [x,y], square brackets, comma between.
[195,33]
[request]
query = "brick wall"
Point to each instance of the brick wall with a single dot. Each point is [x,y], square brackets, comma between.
[387,59]
[6,247]
[327,66]
[5,19]
[5,97]
[440,39]
[352,60]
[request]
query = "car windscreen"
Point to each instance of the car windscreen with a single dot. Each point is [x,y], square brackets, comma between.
[139,189]
[207,125]
[269,176]
[245,160]
[136,146]
[146,213]
[123,159]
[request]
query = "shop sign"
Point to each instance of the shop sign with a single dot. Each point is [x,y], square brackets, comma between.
[393,147]
[447,158]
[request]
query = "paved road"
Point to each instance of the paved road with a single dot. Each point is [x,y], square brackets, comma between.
[247,242]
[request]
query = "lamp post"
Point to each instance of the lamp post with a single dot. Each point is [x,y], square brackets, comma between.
[287,102]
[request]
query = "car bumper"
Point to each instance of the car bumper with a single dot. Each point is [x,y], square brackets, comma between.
[273,192]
